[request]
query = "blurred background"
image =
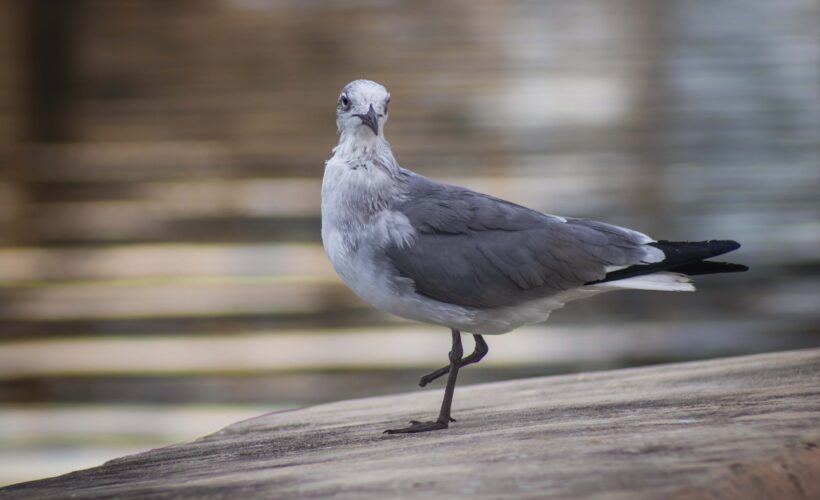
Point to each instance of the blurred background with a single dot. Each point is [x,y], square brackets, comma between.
[161,270]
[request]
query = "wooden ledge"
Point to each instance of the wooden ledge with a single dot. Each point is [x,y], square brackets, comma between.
[745,427]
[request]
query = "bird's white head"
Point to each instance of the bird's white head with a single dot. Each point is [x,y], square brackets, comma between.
[362,110]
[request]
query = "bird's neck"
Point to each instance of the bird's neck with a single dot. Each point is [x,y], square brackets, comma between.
[362,148]
[361,179]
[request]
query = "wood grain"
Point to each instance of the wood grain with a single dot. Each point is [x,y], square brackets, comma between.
[745,427]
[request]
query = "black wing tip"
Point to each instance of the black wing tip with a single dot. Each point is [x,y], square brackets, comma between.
[731,245]
[709,267]
[737,268]
[706,249]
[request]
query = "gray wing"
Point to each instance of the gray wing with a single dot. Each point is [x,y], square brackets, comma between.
[478,251]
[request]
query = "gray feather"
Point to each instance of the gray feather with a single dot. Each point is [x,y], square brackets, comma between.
[477,251]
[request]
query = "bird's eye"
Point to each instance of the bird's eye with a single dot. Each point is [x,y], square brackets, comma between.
[344,102]
[386,104]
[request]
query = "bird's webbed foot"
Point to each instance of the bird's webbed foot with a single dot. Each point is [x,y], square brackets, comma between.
[416,426]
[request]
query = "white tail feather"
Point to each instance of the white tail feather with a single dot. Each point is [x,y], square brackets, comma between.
[663,281]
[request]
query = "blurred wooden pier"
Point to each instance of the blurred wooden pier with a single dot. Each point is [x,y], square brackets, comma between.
[161,170]
[746,427]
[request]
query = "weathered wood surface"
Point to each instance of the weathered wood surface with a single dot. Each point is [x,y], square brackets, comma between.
[746,427]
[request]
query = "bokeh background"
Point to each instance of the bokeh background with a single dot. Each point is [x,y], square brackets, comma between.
[161,270]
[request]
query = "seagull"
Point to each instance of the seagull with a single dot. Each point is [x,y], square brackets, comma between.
[467,261]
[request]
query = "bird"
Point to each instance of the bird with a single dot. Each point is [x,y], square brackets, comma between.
[470,262]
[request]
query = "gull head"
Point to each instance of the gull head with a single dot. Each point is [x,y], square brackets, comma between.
[361,111]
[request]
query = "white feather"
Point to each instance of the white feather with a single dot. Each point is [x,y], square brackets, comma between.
[652,255]
[663,281]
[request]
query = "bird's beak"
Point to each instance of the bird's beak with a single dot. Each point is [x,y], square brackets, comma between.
[371,119]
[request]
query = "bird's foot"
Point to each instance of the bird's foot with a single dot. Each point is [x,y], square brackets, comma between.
[416,426]
[428,378]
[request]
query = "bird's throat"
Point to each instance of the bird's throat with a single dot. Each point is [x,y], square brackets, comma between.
[359,148]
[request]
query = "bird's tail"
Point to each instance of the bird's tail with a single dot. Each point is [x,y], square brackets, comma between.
[682,259]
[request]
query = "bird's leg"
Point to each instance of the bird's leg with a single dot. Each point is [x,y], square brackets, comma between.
[443,419]
[480,351]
